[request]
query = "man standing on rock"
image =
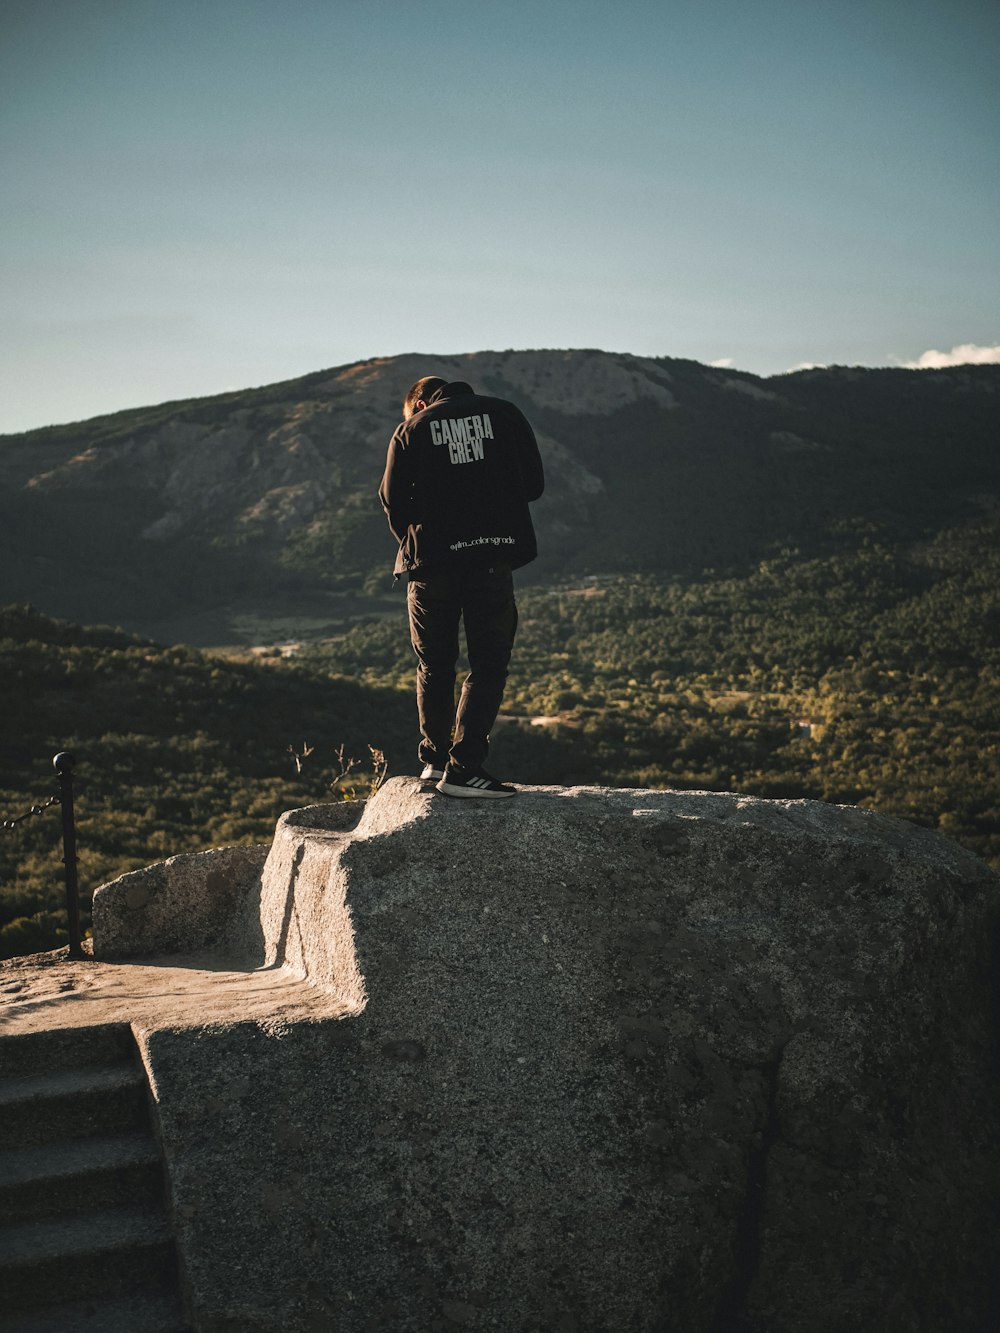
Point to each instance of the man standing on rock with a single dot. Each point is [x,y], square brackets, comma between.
[459,474]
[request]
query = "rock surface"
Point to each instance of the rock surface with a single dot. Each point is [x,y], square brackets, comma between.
[619,1060]
[203,900]
[186,903]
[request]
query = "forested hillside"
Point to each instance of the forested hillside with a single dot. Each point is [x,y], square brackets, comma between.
[870,678]
[175,752]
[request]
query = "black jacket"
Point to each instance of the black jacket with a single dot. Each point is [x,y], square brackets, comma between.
[458,478]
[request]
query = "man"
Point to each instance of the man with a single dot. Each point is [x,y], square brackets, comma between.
[460,471]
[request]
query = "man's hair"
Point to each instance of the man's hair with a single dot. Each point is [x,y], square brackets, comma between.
[421,390]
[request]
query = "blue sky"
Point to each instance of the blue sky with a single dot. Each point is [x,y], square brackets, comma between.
[198,196]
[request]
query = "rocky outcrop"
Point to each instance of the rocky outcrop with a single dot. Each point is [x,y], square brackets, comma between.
[194,901]
[619,1060]
[212,899]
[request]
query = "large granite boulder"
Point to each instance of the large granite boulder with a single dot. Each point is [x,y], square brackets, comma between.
[619,1060]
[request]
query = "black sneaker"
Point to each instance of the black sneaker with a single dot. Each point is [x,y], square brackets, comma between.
[431,773]
[475,783]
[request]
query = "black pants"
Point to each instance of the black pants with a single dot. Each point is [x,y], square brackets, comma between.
[484,599]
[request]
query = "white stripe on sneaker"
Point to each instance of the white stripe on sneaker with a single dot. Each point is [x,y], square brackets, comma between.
[457,782]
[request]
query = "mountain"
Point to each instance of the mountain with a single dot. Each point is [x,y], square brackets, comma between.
[224,518]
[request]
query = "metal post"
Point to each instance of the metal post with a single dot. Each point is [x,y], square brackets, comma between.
[63,764]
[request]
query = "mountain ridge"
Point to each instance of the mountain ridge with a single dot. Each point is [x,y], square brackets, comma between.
[654,465]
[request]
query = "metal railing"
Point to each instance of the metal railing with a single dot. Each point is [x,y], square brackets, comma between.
[63,763]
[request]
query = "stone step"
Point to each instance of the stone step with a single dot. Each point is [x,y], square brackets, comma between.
[108,1251]
[65,1048]
[75,1103]
[80,1175]
[133,1312]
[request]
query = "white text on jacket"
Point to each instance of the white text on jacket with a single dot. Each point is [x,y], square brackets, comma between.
[463,435]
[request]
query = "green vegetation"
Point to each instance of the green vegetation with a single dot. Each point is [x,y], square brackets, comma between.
[889,652]
[175,752]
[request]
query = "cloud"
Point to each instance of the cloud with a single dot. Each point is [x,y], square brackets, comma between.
[806,365]
[723,363]
[965,354]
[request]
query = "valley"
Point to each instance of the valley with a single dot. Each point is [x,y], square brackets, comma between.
[787,588]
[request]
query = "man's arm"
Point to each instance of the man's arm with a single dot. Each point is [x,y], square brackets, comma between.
[396,491]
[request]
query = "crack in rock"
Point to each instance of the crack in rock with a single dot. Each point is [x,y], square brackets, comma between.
[732,1316]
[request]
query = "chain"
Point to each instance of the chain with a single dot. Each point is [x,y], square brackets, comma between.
[35,810]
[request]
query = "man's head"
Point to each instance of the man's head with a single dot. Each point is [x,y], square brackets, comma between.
[419,393]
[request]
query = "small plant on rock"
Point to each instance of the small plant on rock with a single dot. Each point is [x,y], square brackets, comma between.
[352,785]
